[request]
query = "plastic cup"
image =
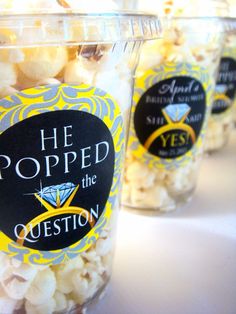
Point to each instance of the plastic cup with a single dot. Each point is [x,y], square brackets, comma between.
[234,113]
[66,90]
[221,120]
[174,87]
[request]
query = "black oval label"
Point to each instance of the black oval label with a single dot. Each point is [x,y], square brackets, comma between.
[169,116]
[226,86]
[56,173]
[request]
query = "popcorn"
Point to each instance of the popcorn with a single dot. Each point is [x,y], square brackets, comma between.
[96,57]
[103,246]
[43,287]
[4,265]
[80,288]
[23,82]
[63,287]
[190,50]
[153,179]
[95,282]
[49,81]
[76,73]
[46,308]
[106,81]
[16,287]
[64,274]
[12,55]
[183,178]
[158,195]
[6,37]
[185,8]
[219,130]
[137,197]
[8,74]
[43,62]
[15,263]
[46,289]
[94,64]
[24,271]
[70,285]
[7,304]
[150,56]
[60,301]
[156,188]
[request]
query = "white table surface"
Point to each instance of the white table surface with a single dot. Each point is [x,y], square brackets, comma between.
[183,263]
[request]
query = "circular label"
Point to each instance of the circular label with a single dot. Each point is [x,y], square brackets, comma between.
[169,116]
[58,174]
[60,160]
[168,124]
[226,86]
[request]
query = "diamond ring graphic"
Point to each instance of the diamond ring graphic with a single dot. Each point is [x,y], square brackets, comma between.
[220,93]
[175,115]
[56,199]
[57,195]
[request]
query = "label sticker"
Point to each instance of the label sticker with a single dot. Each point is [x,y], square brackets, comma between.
[169,116]
[170,107]
[61,151]
[226,86]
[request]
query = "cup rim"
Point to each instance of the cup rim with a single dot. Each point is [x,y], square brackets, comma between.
[114,26]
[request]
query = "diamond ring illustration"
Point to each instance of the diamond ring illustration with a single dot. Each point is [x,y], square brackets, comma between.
[175,115]
[56,199]
[176,112]
[220,93]
[57,195]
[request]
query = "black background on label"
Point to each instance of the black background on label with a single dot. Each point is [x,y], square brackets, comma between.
[23,139]
[144,109]
[231,91]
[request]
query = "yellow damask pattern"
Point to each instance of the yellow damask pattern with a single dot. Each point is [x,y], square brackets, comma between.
[35,101]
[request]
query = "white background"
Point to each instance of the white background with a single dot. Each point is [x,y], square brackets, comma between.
[184,262]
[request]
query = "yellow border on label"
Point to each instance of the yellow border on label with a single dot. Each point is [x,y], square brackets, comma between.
[38,100]
[149,79]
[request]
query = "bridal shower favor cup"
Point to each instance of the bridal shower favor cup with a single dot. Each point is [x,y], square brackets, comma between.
[221,120]
[66,89]
[232,14]
[174,87]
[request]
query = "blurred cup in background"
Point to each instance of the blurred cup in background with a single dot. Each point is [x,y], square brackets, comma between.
[174,88]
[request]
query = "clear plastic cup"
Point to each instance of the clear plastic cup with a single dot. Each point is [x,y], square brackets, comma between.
[221,120]
[232,14]
[234,112]
[66,88]
[174,87]
[186,8]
